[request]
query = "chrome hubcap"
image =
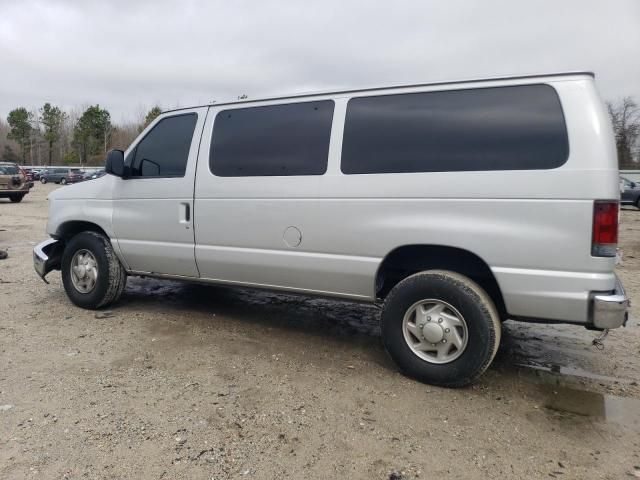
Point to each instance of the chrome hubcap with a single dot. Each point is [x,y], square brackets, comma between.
[435,331]
[84,271]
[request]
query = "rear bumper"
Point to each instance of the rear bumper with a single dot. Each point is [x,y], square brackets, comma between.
[610,310]
[595,300]
[47,256]
[17,191]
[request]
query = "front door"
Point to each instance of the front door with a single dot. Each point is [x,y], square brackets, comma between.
[153,205]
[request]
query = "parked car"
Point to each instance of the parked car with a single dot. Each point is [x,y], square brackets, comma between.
[62,175]
[28,174]
[92,175]
[453,206]
[631,193]
[36,172]
[13,182]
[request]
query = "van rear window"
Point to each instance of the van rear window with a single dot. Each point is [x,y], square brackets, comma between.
[505,128]
[291,139]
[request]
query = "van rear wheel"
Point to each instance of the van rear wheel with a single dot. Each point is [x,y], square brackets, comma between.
[441,328]
[92,275]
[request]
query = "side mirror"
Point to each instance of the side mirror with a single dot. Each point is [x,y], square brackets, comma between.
[114,164]
[634,184]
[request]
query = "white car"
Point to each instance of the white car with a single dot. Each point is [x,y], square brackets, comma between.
[453,205]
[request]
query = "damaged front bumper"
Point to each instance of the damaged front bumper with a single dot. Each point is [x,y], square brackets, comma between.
[47,256]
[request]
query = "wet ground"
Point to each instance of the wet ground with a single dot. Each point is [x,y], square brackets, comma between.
[193,381]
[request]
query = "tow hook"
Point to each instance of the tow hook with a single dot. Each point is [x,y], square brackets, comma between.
[598,342]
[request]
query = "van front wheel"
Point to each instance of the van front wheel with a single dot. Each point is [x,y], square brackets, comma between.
[441,328]
[91,272]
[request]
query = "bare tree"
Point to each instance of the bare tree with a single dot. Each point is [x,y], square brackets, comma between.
[625,117]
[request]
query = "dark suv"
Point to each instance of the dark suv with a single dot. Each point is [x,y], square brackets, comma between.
[62,175]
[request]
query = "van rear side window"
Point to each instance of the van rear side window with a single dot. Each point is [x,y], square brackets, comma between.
[290,139]
[506,128]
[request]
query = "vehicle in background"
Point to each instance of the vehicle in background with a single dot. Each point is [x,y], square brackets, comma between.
[631,193]
[93,175]
[28,173]
[62,175]
[453,206]
[13,182]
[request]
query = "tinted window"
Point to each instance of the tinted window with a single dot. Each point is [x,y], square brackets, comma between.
[164,151]
[508,128]
[288,139]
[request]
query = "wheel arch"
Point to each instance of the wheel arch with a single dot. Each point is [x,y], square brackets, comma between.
[70,228]
[406,260]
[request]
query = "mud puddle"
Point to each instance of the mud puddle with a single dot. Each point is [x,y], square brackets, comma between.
[558,372]
[601,407]
[571,392]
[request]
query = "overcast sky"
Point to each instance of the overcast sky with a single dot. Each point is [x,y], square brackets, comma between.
[128,55]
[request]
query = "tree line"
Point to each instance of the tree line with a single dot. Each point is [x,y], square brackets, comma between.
[51,136]
[625,118]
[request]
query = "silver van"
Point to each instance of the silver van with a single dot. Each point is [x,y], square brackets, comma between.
[455,206]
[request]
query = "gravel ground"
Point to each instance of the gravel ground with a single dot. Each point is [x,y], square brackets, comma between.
[198,382]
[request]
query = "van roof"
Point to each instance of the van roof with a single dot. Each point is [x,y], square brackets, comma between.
[370,89]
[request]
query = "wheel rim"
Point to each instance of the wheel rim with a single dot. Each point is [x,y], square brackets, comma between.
[84,271]
[435,331]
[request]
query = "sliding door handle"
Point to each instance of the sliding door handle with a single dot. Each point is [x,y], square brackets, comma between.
[185,214]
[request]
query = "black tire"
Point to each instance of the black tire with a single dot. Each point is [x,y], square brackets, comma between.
[638,203]
[63,181]
[111,277]
[43,180]
[16,198]
[470,300]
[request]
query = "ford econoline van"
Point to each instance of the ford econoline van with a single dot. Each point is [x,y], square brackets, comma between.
[455,206]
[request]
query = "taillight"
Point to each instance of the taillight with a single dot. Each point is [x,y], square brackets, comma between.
[605,229]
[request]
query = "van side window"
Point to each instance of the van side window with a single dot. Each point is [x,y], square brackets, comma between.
[164,151]
[290,139]
[506,128]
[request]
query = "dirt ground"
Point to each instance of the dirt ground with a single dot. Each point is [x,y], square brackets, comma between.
[198,382]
